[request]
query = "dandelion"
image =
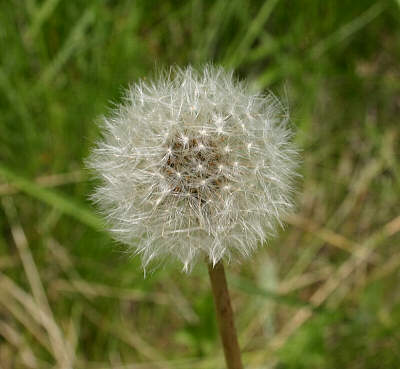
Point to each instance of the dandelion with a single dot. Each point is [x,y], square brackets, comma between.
[193,165]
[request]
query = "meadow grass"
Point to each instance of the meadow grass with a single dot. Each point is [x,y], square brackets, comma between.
[324,294]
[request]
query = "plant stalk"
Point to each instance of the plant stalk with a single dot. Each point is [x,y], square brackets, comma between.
[225,319]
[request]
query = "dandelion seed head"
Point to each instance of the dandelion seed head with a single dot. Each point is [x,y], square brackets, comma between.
[193,165]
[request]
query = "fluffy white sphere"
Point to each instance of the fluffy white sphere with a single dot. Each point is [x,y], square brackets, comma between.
[192,164]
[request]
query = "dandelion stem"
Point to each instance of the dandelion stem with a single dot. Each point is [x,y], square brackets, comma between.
[225,320]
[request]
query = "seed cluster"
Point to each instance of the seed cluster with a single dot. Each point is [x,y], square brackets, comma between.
[194,165]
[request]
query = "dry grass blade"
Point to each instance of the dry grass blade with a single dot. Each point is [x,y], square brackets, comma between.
[181,302]
[58,345]
[41,307]
[324,234]
[358,187]
[389,267]
[73,330]
[76,284]
[304,280]
[28,263]
[127,336]
[63,204]
[392,227]
[14,338]
[7,262]
[19,314]
[344,271]
[193,363]
[91,289]
[51,180]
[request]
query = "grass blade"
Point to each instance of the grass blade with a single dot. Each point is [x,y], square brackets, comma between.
[52,198]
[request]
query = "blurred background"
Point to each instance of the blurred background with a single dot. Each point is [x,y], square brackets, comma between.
[324,294]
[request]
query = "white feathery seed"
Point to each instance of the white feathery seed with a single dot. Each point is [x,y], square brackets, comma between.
[194,165]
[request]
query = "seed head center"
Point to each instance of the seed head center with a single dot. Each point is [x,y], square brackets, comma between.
[194,165]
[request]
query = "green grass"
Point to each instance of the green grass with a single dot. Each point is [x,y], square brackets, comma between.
[324,294]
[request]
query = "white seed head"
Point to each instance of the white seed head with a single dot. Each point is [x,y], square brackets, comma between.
[192,164]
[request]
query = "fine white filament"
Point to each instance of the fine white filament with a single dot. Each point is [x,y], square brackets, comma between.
[193,165]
